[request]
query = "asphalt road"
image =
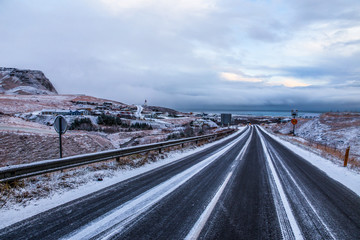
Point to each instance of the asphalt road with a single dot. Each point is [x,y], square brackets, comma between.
[323,208]
[248,187]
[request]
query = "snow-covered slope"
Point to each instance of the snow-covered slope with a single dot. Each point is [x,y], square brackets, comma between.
[335,130]
[29,82]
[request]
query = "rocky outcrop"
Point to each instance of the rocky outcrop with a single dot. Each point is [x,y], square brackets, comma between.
[29,82]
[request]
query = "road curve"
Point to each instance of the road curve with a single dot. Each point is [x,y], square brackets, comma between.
[247,187]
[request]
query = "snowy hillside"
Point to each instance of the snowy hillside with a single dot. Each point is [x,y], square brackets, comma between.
[28,82]
[332,131]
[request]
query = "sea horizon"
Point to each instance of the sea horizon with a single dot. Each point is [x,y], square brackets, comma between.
[261,113]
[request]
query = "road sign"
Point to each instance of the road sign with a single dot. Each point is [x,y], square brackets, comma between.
[225,118]
[60,124]
[294,121]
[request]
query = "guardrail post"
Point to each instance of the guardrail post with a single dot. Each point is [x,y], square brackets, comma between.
[346,156]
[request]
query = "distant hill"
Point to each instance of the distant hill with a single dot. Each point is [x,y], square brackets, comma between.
[162,109]
[33,82]
[24,82]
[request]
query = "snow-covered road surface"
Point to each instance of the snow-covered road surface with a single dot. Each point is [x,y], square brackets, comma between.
[138,111]
[122,216]
[249,186]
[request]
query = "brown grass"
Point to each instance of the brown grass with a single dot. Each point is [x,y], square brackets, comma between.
[337,154]
[340,120]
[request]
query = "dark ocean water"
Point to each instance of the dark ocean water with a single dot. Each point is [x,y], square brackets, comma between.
[266,113]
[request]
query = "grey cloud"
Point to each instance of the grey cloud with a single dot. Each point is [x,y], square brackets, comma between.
[172,61]
[338,12]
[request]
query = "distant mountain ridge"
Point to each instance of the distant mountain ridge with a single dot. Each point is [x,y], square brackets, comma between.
[25,82]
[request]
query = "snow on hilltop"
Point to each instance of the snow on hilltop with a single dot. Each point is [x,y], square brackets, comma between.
[25,82]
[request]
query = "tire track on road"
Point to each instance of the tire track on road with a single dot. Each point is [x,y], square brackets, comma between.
[116,220]
[246,209]
[323,208]
[177,212]
[199,225]
[288,224]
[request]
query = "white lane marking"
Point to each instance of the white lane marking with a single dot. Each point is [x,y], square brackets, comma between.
[242,152]
[120,217]
[196,230]
[302,193]
[200,223]
[293,223]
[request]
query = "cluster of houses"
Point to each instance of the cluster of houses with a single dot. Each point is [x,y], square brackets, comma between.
[96,109]
[90,108]
[55,112]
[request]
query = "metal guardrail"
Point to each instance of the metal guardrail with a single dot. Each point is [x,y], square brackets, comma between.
[15,172]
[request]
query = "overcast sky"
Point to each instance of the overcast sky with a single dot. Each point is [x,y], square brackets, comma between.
[191,54]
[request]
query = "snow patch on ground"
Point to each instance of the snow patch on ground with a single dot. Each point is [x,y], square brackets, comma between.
[28,90]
